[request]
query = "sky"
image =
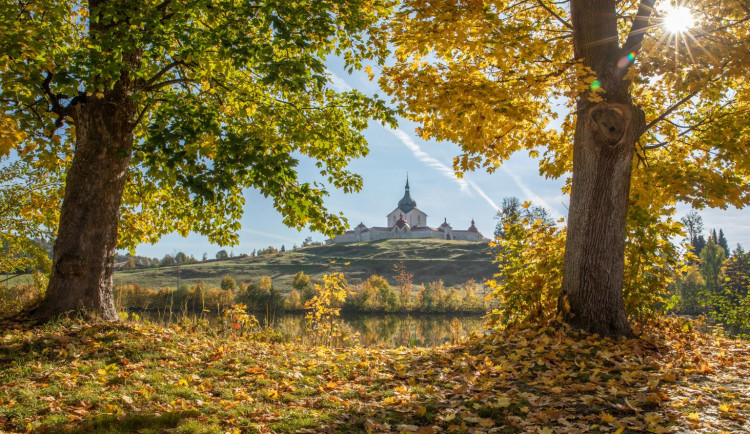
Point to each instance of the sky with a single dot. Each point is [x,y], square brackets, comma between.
[433,185]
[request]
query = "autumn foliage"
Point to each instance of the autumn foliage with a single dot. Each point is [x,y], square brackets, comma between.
[85,377]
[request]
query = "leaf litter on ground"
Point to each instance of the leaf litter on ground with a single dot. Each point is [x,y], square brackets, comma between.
[73,376]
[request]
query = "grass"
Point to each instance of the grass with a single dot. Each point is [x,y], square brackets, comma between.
[129,377]
[454,262]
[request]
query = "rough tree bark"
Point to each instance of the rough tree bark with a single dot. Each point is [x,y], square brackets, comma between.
[83,258]
[604,143]
[84,250]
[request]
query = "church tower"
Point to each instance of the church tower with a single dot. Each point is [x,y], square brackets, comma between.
[407,209]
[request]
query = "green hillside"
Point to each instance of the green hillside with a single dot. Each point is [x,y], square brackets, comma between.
[454,262]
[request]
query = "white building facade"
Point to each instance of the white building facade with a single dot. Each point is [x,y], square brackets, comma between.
[408,221]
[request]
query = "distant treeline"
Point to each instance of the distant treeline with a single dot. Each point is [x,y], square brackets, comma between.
[373,295]
[131,262]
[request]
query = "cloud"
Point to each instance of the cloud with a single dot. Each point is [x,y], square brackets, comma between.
[268,235]
[466,185]
[529,194]
[484,195]
[430,161]
[339,84]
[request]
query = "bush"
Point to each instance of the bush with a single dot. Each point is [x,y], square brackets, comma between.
[228,283]
[324,309]
[16,298]
[531,263]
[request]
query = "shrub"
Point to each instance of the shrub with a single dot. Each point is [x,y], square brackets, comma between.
[228,283]
[324,309]
[531,263]
[16,298]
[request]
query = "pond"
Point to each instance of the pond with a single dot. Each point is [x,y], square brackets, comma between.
[386,330]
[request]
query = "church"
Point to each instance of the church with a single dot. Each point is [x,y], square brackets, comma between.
[408,221]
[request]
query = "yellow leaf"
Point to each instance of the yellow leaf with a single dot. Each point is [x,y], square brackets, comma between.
[486,423]
[695,417]
[607,418]
[503,402]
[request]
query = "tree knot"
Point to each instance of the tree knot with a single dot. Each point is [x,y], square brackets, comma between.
[610,121]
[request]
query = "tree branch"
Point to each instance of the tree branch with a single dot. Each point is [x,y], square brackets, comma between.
[551,12]
[165,83]
[161,73]
[639,27]
[671,108]
[62,111]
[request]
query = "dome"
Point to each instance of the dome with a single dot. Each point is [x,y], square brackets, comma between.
[406,203]
[401,223]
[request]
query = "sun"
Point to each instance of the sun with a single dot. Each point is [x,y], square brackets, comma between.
[677,19]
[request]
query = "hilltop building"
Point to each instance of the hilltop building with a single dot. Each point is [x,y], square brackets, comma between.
[408,221]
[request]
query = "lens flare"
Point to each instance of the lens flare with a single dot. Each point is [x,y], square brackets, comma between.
[677,19]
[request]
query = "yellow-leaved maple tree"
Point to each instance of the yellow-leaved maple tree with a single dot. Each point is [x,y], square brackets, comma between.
[653,97]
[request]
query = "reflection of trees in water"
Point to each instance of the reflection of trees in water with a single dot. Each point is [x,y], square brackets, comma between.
[385,330]
[395,330]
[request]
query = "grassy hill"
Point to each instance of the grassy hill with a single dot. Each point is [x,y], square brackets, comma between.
[453,262]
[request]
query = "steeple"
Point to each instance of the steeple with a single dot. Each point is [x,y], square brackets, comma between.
[406,203]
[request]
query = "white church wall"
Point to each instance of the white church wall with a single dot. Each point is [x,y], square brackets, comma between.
[415,218]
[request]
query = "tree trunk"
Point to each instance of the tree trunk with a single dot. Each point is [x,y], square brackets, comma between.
[594,251]
[81,280]
[604,143]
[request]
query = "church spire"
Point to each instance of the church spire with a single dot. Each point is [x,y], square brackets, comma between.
[406,203]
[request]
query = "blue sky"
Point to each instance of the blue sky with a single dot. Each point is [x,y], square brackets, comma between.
[437,191]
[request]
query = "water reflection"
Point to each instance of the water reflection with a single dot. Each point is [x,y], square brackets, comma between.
[390,330]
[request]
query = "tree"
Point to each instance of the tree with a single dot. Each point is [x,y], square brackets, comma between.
[693,224]
[404,282]
[509,213]
[228,283]
[303,285]
[689,287]
[222,254]
[181,258]
[205,257]
[493,77]
[712,260]
[512,210]
[737,272]
[167,261]
[700,243]
[27,211]
[723,243]
[159,114]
